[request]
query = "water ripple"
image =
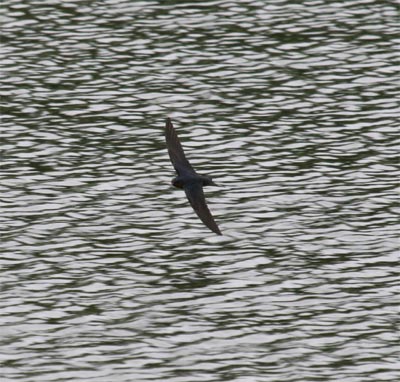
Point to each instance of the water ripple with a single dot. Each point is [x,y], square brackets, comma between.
[107,274]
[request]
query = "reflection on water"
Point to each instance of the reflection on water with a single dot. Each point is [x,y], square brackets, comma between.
[107,274]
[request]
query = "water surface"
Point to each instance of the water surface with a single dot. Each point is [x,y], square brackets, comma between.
[108,275]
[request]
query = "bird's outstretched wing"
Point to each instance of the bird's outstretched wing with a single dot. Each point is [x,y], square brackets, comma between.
[194,192]
[175,151]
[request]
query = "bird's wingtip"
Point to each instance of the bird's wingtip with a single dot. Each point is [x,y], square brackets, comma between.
[216,230]
[168,124]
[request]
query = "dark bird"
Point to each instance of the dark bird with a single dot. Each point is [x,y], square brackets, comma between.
[188,179]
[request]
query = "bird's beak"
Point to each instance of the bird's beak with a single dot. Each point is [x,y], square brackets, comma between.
[214,184]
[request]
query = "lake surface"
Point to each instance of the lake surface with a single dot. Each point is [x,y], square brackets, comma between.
[106,272]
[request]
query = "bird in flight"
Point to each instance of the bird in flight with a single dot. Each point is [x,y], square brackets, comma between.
[188,179]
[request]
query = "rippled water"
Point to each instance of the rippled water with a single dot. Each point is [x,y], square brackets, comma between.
[106,272]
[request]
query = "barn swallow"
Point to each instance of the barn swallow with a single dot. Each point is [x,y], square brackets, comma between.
[188,179]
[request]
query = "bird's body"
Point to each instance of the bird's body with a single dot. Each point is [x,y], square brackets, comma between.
[182,180]
[188,179]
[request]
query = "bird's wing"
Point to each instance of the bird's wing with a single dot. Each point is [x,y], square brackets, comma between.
[194,192]
[175,151]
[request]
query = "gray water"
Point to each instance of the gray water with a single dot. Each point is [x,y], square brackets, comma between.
[107,274]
